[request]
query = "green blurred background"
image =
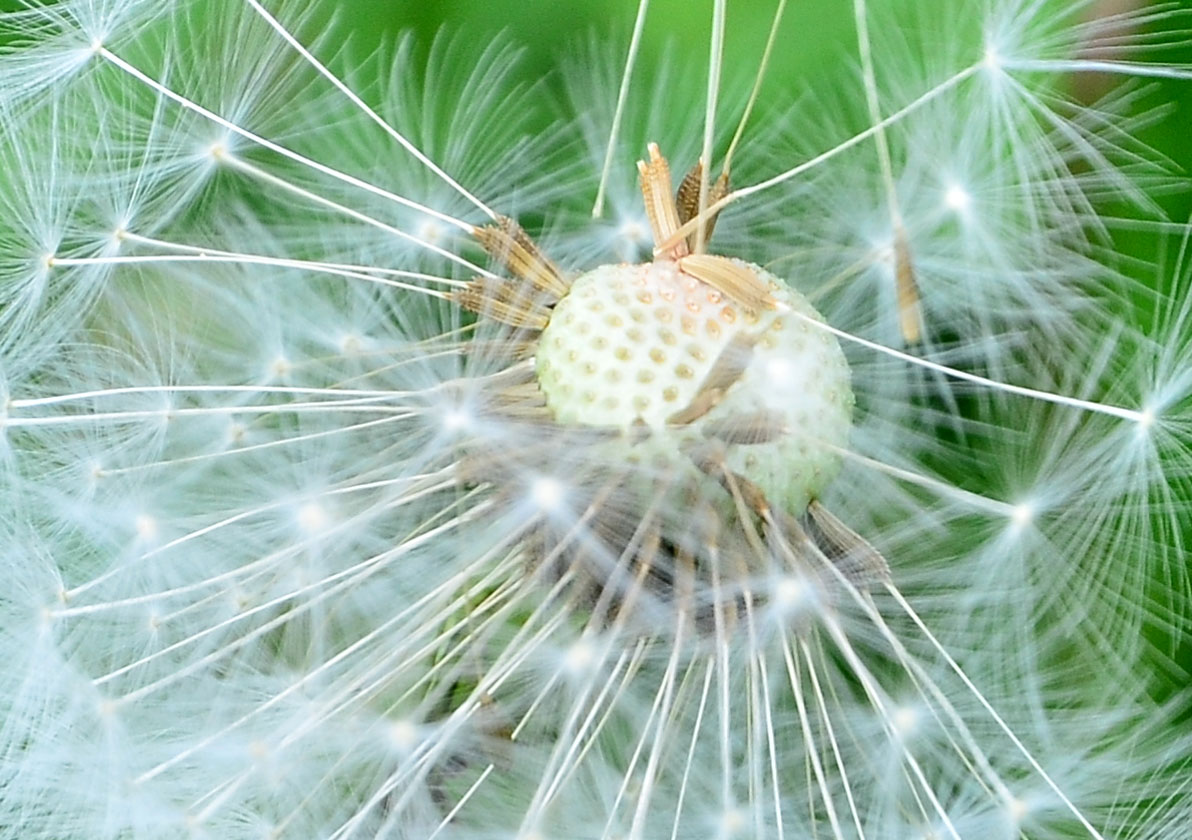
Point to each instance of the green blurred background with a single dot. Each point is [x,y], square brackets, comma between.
[816,48]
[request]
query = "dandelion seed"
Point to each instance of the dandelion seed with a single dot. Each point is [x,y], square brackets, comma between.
[358,483]
[958,198]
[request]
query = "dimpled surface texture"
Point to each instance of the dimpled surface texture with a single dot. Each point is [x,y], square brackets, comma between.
[632,344]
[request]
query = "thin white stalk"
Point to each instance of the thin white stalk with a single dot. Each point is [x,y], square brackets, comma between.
[171,390]
[943,488]
[696,727]
[1121,68]
[322,70]
[348,691]
[232,574]
[618,114]
[922,100]
[997,718]
[385,629]
[757,87]
[827,721]
[870,685]
[190,105]
[364,272]
[259,447]
[659,714]
[260,174]
[361,405]
[1130,414]
[243,259]
[345,578]
[810,747]
[715,62]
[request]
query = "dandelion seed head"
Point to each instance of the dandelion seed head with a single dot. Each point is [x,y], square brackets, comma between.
[991,58]
[279,369]
[637,344]
[313,517]
[1146,419]
[458,419]
[146,527]
[733,822]
[905,720]
[404,734]
[547,493]
[579,657]
[958,199]
[431,232]
[1017,810]
[235,432]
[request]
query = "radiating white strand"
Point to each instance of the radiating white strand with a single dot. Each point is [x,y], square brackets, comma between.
[919,679]
[1120,68]
[525,642]
[762,711]
[810,747]
[366,272]
[319,67]
[564,764]
[570,747]
[872,690]
[868,74]
[242,259]
[767,711]
[757,86]
[722,673]
[942,488]
[343,579]
[347,691]
[997,719]
[448,472]
[501,670]
[262,175]
[369,565]
[189,105]
[56,399]
[904,658]
[826,717]
[259,447]
[1060,399]
[868,682]
[925,98]
[174,592]
[622,96]
[696,727]
[715,61]
[660,711]
[367,405]
[399,654]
